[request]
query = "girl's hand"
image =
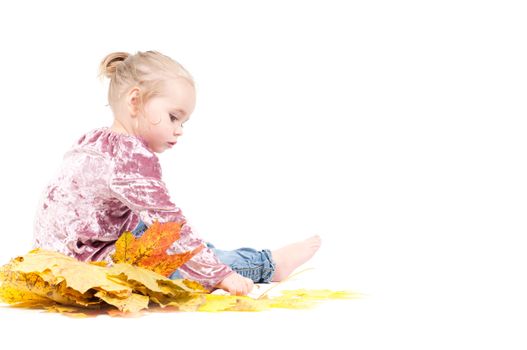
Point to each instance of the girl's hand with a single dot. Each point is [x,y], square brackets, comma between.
[236,284]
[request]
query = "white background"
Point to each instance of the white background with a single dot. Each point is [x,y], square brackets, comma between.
[394,129]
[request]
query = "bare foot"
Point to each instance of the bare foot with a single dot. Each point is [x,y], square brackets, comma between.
[288,258]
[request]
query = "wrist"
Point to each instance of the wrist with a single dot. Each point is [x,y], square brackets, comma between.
[220,283]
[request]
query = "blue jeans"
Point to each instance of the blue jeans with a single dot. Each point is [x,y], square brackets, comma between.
[257,265]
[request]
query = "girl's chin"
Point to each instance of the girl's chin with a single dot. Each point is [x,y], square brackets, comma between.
[157,149]
[161,148]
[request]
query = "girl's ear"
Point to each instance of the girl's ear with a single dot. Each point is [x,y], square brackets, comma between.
[133,101]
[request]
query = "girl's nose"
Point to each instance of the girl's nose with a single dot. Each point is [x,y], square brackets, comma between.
[178,130]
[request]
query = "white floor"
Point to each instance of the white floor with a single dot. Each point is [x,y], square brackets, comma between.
[409,315]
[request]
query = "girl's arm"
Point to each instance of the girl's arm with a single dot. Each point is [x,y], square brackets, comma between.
[141,189]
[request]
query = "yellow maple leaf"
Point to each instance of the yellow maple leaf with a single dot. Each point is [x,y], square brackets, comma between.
[133,303]
[80,276]
[42,276]
[151,280]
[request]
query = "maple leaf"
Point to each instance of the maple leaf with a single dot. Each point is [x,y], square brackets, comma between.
[133,303]
[80,276]
[149,251]
[159,288]
[44,278]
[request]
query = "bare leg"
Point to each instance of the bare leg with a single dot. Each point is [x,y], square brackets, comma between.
[288,258]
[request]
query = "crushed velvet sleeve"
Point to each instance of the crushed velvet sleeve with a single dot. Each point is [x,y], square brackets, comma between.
[136,182]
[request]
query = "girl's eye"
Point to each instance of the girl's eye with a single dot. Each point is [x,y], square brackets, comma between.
[173,118]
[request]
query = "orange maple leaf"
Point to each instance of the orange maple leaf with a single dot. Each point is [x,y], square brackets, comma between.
[149,251]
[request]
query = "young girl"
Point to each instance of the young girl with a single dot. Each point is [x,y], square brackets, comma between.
[110,182]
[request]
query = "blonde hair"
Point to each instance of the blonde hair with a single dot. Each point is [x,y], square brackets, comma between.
[147,70]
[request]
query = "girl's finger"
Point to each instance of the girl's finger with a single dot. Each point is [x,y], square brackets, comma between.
[236,289]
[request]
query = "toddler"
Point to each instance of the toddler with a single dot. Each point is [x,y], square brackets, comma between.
[110,182]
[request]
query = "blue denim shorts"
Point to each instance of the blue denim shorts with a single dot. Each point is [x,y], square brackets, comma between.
[256,265]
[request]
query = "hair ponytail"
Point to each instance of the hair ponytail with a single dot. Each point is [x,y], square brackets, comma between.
[109,64]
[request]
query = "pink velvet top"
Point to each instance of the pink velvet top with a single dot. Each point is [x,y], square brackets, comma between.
[107,182]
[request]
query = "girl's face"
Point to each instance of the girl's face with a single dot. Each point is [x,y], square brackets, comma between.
[161,125]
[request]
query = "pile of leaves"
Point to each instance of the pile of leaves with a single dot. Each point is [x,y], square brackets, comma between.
[137,281]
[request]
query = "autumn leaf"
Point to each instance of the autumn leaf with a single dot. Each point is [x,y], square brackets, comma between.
[149,250]
[134,303]
[14,290]
[41,278]
[153,284]
[80,276]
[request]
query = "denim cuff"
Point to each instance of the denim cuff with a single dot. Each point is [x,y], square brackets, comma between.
[262,272]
